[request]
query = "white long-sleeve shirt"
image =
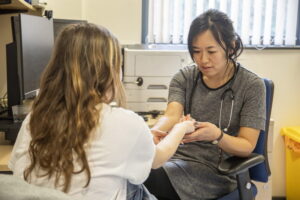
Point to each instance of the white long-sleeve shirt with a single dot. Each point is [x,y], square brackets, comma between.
[122,149]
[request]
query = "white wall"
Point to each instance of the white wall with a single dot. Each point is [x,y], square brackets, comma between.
[66,9]
[122,18]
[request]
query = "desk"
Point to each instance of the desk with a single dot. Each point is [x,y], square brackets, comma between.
[5,151]
[152,121]
[10,129]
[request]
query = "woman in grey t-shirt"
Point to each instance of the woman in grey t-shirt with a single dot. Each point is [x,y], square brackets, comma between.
[226,99]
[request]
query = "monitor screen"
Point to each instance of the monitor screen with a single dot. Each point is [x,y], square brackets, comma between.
[27,56]
[59,24]
[37,42]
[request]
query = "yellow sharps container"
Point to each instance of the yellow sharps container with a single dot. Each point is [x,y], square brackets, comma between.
[292,154]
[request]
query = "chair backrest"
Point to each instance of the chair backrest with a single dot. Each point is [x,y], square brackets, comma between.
[262,171]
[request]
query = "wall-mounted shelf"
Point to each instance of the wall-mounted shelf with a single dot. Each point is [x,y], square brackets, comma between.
[16,6]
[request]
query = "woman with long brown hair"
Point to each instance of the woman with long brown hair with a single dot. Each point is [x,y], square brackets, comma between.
[73,140]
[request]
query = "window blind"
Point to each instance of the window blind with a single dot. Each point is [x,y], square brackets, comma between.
[258,22]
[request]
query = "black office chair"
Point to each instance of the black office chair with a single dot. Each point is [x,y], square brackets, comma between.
[256,166]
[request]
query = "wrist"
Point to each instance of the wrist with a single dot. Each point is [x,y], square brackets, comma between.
[180,125]
[219,138]
[188,126]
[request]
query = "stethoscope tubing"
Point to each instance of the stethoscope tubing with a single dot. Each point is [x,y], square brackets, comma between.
[228,90]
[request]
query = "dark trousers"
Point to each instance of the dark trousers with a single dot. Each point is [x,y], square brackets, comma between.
[158,183]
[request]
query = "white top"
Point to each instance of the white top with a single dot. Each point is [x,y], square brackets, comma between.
[122,149]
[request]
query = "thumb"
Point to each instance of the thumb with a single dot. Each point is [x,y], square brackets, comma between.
[159,132]
[201,124]
[189,126]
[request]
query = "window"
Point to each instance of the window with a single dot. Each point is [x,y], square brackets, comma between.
[258,22]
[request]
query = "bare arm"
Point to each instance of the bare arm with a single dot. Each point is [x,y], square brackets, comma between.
[167,147]
[242,145]
[170,118]
[167,143]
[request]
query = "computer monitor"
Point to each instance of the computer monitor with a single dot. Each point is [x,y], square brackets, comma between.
[59,24]
[27,56]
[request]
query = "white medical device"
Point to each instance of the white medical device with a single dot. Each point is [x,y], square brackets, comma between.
[147,74]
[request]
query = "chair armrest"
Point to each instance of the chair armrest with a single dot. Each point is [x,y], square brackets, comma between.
[235,165]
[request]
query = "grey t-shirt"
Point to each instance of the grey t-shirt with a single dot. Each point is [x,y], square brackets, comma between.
[193,169]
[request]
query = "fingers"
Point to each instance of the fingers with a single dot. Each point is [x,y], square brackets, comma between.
[184,141]
[186,118]
[190,138]
[190,135]
[202,124]
[156,140]
[193,137]
[189,126]
[157,132]
[182,119]
[197,124]
[158,135]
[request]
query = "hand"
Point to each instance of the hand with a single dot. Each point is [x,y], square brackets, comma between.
[186,117]
[189,126]
[189,123]
[158,135]
[206,131]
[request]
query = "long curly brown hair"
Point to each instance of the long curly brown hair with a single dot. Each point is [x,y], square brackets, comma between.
[83,72]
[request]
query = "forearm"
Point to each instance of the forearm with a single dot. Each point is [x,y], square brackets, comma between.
[237,146]
[166,122]
[167,147]
[170,118]
[241,145]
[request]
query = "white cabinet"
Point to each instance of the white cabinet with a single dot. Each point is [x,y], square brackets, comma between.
[155,68]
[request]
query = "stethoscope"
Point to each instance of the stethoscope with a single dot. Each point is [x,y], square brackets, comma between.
[229,91]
